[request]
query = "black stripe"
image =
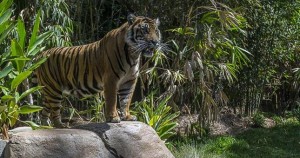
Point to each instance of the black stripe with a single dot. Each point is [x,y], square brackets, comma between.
[124,91]
[53,101]
[76,68]
[99,72]
[132,35]
[117,55]
[95,84]
[111,65]
[51,94]
[118,51]
[127,54]
[120,65]
[67,65]
[58,57]
[129,81]
[85,79]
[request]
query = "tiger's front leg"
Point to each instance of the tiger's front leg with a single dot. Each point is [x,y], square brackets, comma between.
[125,93]
[110,96]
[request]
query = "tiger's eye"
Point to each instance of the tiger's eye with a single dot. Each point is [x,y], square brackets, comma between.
[145,28]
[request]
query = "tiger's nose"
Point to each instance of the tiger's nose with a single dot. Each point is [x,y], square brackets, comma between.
[154,43]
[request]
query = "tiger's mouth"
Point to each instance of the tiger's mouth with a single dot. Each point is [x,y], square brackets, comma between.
[148,52]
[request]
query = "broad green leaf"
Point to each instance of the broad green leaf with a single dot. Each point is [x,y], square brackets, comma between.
[22,58]
[2,108]
[16,51]
[7,98]
[37,42]
[5,90]
[13,118]
[22,33]
[5,16]
[153,120]
[37,64]
[22,76]
[4,5]
[34,31]
[36,51]
[28,109]
[35,126]
[166,135]
[166,129]
[6,71]
[29,91]
[6,32]
[31,124]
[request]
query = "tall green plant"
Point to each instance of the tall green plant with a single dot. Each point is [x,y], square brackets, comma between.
[17,66]
[205,56]
[158,115]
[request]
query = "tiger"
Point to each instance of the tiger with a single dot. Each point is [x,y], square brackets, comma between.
[109,65]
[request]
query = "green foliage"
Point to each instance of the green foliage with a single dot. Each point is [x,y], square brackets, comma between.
[17,67]
[55,14]
[270,81]
[95,112]
[223,144]
[296,113]
[280,141]
[158,115]
[210,53]
[259,119]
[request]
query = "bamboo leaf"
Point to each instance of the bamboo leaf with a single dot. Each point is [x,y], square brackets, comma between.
[22,76]
[5,32]
[6,71]
[35,30]
[22,33]
[16,51]
[5,16]
[29,91]
[7,98]
[4,5]
[2,108]
[31,124]
[32,50]
[165,130]
[28,109]
[35,126]
[37,64]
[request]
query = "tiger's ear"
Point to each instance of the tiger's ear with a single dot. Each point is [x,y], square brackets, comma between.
[157,22]
[131,18]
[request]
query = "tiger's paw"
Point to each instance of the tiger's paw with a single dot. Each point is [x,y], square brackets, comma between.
[45,121]
[130,118]
[115,119]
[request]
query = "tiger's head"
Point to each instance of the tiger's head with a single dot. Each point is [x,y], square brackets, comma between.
[143,35]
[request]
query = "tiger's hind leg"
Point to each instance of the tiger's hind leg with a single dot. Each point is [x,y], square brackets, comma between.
[52,106]
[125,93]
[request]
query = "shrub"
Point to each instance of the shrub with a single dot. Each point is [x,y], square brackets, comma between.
[158,115]
[16,66]
[259,120]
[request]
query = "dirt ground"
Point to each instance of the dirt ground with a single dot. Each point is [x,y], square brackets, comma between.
[227,124]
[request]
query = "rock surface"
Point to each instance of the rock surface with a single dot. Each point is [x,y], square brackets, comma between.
[2,146]
[102,140]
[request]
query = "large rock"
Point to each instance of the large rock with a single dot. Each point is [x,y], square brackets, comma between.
[103,140]
[2,147]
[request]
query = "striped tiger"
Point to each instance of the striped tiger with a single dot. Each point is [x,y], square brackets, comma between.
[110,65]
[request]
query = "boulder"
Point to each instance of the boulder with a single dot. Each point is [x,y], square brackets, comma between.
[2,147]
[102,140]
